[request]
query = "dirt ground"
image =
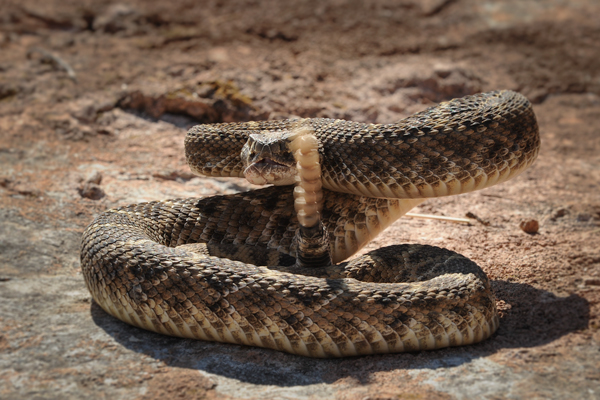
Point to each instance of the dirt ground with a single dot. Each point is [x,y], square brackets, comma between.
[96,98]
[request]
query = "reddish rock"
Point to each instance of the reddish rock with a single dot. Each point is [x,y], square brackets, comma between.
[530,226]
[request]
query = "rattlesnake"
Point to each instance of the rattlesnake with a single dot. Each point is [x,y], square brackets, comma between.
[231,268]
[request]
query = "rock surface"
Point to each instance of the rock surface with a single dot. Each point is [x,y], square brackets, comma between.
[97,120]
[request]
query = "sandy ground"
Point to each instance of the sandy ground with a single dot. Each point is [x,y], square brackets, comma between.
[95,100]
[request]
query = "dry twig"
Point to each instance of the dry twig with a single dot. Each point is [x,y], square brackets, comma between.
[55,60]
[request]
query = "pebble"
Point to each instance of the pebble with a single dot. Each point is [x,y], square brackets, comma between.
[591,281]
[91,191]
[561,212]
[530,226]
[91,188]
[95,177]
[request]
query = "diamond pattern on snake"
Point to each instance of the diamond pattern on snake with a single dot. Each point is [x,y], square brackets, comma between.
[269,267]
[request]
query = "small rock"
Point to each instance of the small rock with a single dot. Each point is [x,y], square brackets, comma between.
[8,90]
[591,281]
[27,190]
[86,114]
[5,182]
[561,212]
[117,17]
[174,175]
[95,177]
[91,191]
[106,131]
[584,217]
[443,70]
[530,226]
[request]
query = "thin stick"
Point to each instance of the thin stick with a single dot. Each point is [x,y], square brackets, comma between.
[440,218]
[56,60]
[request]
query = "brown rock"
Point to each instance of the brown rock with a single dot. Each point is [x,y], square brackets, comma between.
[95,177]
[591,281]
[91,191]
[530,226]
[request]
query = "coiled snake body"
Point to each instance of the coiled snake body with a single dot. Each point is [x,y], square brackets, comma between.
[225,268]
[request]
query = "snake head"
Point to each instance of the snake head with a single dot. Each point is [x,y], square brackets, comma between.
[267,159]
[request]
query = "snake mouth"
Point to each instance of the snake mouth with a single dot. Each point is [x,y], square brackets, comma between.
[267,161]
[268,171]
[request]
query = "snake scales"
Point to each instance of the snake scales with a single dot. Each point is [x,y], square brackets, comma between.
[223,268]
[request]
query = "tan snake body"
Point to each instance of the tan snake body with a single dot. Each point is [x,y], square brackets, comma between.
[155,265]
